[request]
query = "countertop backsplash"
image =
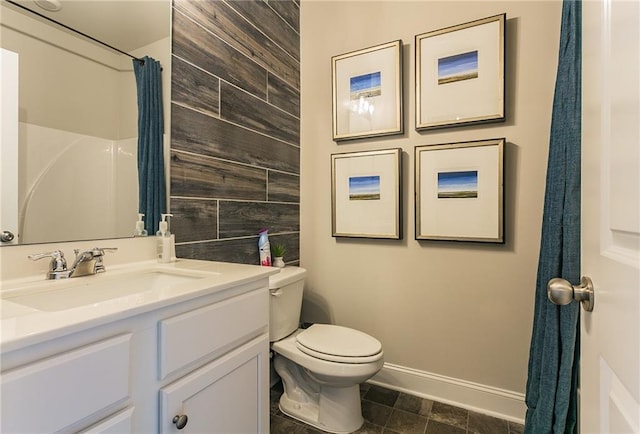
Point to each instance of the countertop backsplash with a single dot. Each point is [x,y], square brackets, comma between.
[14,263]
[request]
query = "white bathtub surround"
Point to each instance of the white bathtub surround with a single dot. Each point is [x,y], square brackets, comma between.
[62,171]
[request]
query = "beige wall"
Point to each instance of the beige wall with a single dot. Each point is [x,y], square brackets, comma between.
[71,84]
[460,310]
[58,85]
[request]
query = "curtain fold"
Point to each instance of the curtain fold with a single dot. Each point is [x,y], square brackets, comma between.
[551,394]
[151,177]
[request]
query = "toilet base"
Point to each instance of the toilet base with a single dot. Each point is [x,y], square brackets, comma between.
[337,410]
[274,378]
[324,394]
[327,407]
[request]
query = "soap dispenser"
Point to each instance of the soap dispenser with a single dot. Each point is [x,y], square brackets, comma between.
[140,231]
[165,240]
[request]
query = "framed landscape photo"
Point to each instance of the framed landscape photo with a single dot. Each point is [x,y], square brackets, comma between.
[367,92]
[460,192]
[460,74]
[365,194]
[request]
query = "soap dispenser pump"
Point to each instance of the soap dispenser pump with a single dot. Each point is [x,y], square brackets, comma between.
[140,231]
[165,239]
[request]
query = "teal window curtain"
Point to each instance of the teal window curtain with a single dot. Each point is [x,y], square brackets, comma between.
[151,177]
[551,394]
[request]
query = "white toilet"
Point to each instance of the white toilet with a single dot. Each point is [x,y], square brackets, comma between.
[322,366]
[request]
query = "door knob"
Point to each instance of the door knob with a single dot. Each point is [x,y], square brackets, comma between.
[6,236]
[561,291]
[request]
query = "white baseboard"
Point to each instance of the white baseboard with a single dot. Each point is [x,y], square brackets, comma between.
[492,401]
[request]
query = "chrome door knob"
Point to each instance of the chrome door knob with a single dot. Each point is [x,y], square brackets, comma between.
[561,292]
[6,236]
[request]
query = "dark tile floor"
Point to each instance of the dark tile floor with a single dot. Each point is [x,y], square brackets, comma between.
[390,412]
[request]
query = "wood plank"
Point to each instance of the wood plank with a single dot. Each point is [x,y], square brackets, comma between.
[221,20]
[240,219]
[283,96]
[255,149]
[246,110]
[288,10]
[195,132]
[194,175]
[239,250]
[260,14]
[282,187]
[195,88]
[194,219]
[199,47]
[291,243]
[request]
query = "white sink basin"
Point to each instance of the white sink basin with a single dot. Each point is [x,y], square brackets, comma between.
[57,295]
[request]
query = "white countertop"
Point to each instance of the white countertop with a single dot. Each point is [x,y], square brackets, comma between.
[21,325]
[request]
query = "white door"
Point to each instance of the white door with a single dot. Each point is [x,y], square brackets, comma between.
[610,335]
[8,147]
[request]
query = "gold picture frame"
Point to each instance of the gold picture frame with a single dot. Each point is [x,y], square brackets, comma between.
[460,191]
[367,92]
[460,74]
[366,194]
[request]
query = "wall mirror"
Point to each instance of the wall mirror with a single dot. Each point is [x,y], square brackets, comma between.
[77,115]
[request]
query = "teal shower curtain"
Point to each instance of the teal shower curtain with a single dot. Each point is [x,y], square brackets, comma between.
[551,394]
[151,178]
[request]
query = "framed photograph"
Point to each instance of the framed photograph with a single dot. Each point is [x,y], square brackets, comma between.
[459,191]
[365,194]
[460,74]
[367,92]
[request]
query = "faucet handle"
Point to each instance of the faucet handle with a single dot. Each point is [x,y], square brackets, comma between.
[98,253]
[101,250]
[58,261]
[57,265]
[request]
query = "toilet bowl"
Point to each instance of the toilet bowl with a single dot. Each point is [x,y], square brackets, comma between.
[321,367]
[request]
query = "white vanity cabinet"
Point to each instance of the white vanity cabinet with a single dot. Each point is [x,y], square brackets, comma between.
[204,359]
[224,396]
[230,393]
[119,423]
[53,394]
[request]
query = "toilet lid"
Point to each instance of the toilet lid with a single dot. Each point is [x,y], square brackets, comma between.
[339,344]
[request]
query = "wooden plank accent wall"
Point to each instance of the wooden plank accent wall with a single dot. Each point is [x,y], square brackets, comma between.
[235,128]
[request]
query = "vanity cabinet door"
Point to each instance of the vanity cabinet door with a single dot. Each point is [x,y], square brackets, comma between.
[55,393]
[119,423]
[228,395]
[226,323]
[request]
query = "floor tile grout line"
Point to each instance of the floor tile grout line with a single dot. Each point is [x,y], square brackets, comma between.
[396,406]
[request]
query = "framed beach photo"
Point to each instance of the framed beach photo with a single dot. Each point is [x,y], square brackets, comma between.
[460,192]
[367,92]
[460,74]
[365,194]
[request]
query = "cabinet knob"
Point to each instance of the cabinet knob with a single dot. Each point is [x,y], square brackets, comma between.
[180,420]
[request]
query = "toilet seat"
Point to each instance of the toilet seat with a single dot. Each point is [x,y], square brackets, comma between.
[338,344]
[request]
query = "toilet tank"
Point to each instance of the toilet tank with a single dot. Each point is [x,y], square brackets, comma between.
[285,301]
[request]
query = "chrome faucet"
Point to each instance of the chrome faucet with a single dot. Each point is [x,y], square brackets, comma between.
[87,262]
[90,261]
